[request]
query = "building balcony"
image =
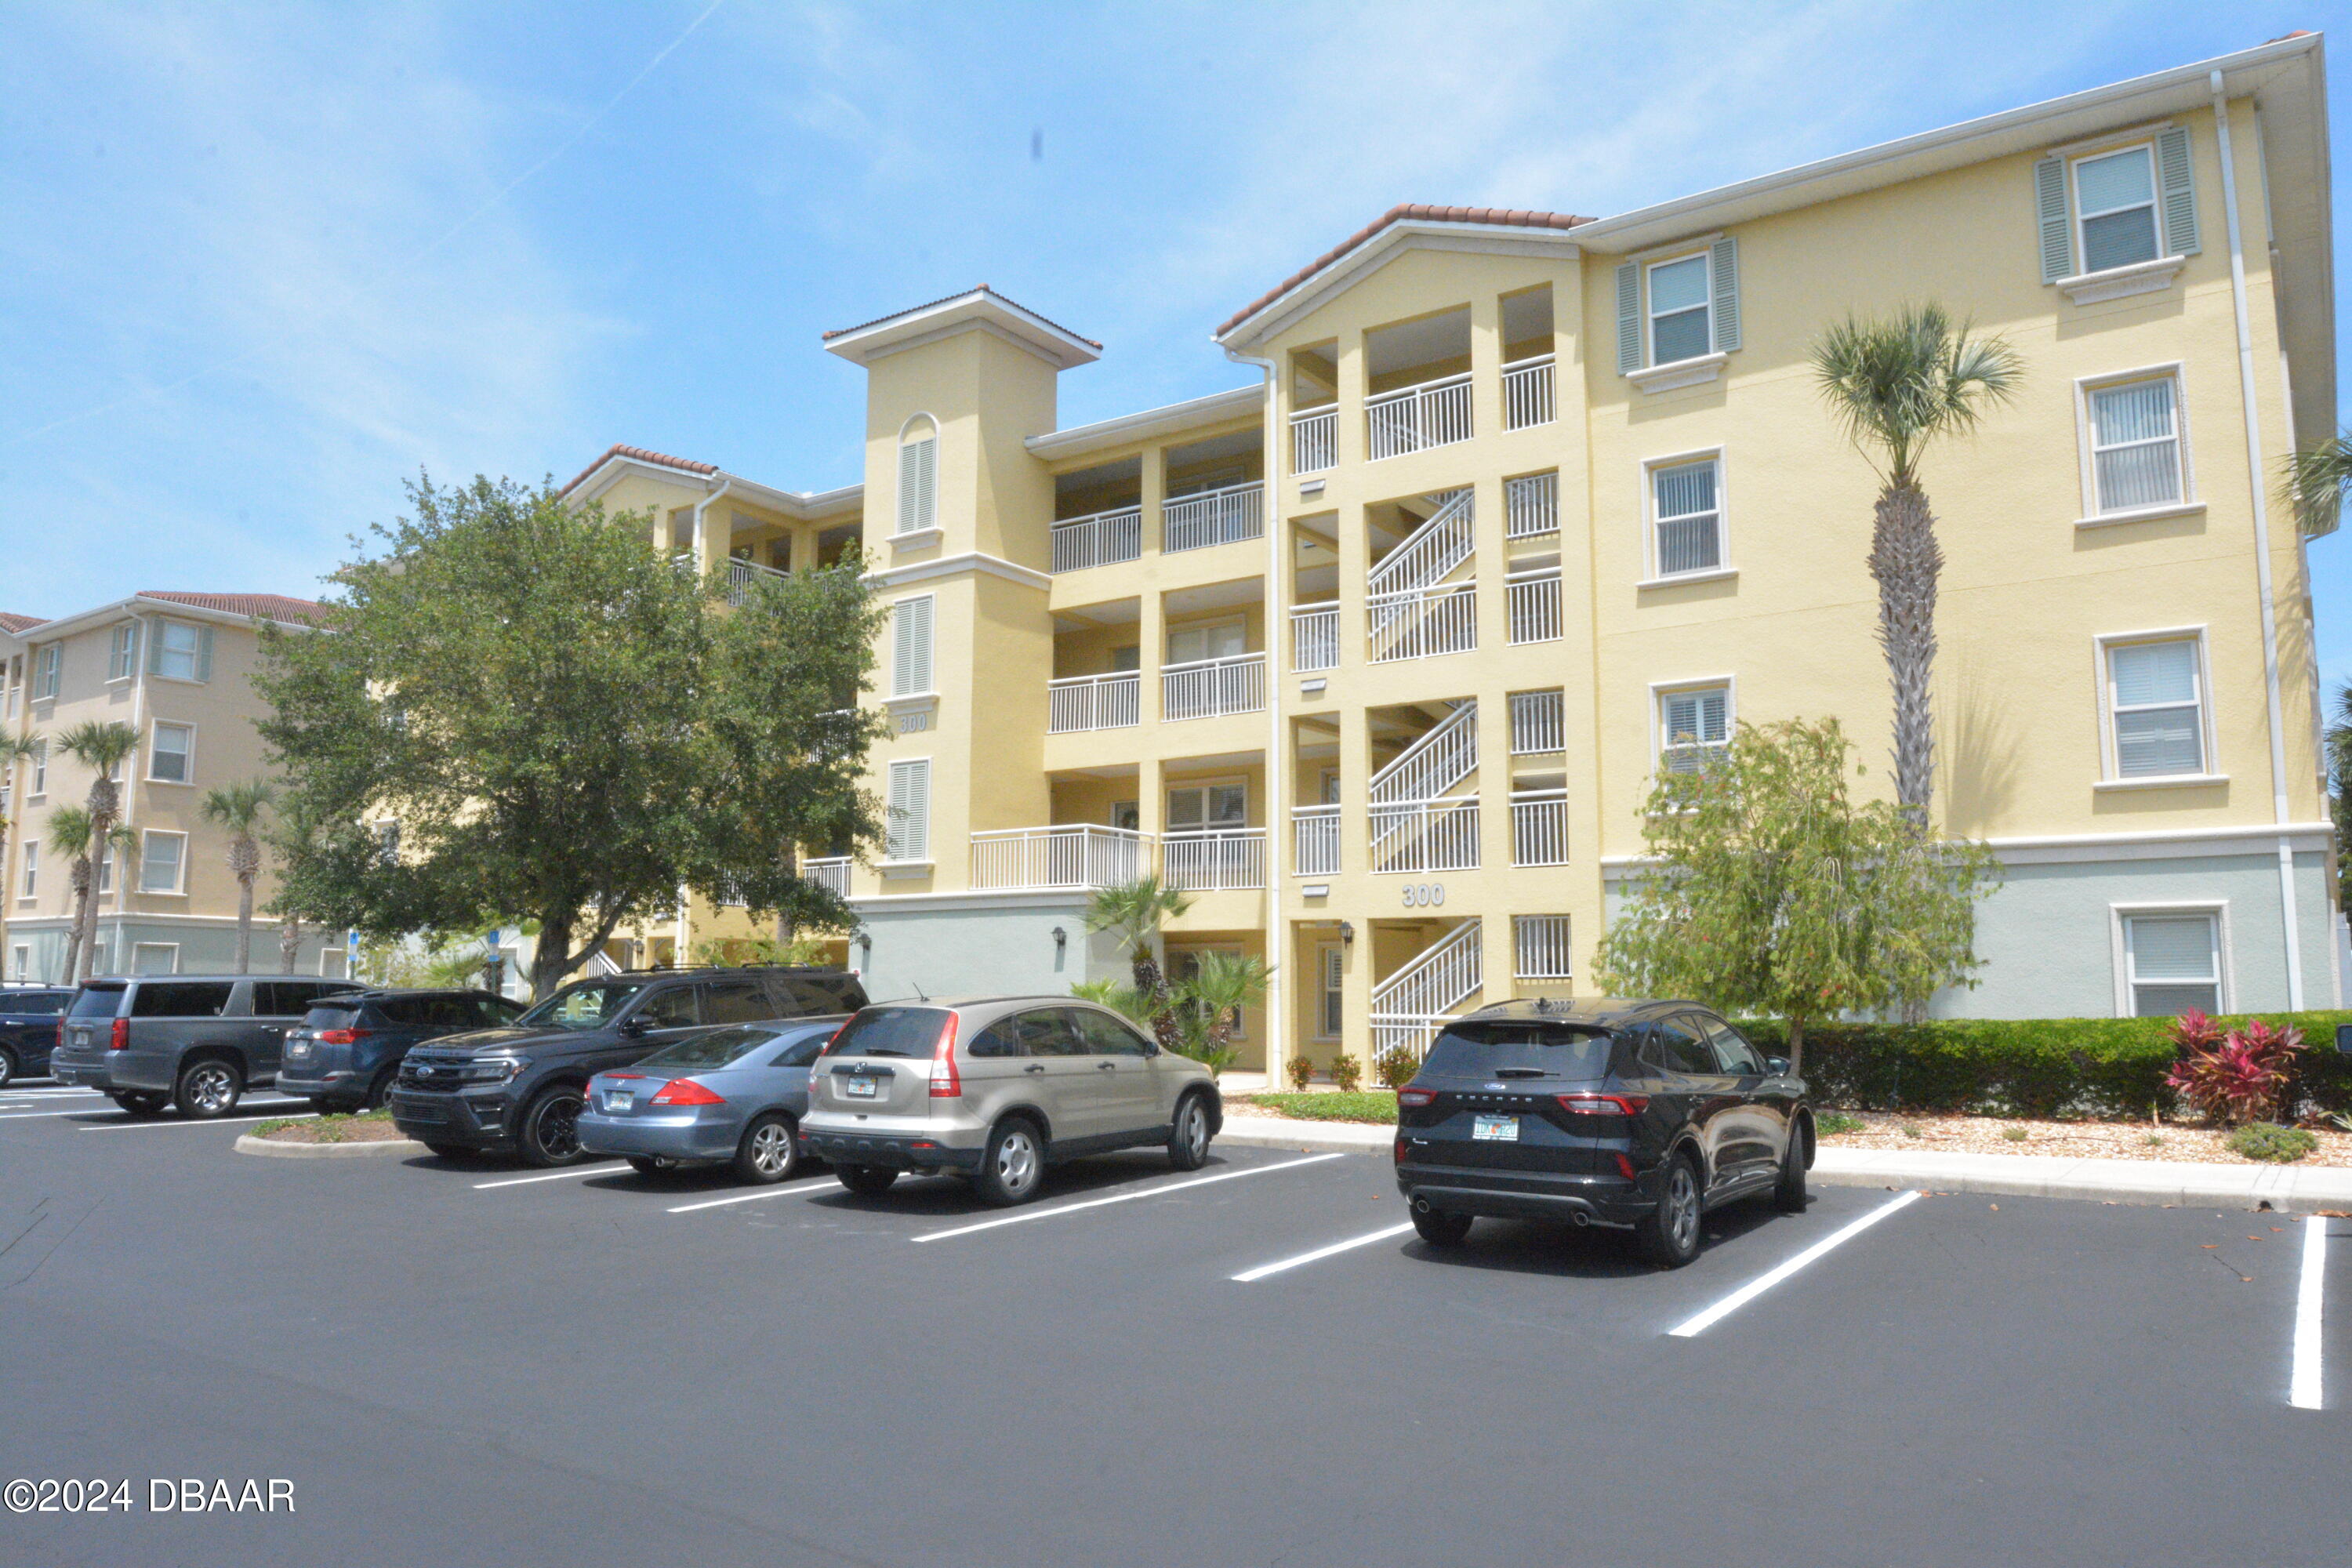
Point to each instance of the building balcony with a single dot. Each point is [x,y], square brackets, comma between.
[1426,836]
[1315,637]
[1315,440]
[1315,840]
[1207,688]
[1112,702]
[1423,622]
[742,573]
[1540,827]
[1414,418]
[1527,393]
[1225,516]
[1220,860]
[830,872]
[1074,856]
[1103,539]
[1533,604]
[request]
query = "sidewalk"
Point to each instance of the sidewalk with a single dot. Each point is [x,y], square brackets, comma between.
[2286,1189]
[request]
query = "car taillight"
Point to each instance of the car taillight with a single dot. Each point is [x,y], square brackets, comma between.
[616,1077]
[1625,1165]
[684,1092]
[342,1037]
[1602,1104]
[118,1039]
[1399,1150]
[945,1082]
[1416,1097]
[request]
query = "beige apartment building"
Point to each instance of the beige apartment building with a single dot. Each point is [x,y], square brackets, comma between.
[1376,654]
[177,668]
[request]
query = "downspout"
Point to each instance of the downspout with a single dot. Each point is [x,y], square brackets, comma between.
[1278,755]
[2262,550]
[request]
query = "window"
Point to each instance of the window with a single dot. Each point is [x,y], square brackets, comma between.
[910,837]
[2172,962]
[163,958]
[1047,1032]
[1733,1054]
[40,770]
[106,870]
[32,883]
[122,654]
[2114,204]
[910,653]
[168,753]
[1127,658]
[2118,206]
[1196,808]
[160,861]
[1127,814]
[2136,451]
[1106,1036]
[1675,1046]
[1692,725]
[1677,310]
[669,1009]
[2154,700]
[918,469]
[48,664]
[1538,723]
[21,964]
[179,651]
[1334,975]
[1539,945]
[736,1002]
[1190,644]
[1687,510]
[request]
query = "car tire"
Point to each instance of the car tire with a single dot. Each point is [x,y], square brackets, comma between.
[139,1102]
[1788,1192]
[866,1181]
[380,1090]
[771,1148]
[1013,1165]
[1668,1235]
[1439,1228]
[8,1068]
[548,1133]
[208,1087]
[652,1164]
[1188,1140]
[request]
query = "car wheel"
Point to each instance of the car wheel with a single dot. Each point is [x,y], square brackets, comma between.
[1441,1229]
[208,1089]
[652,1164]
[1789,1192]
[550,1133]
[381,1090]
[1012,1164]
[866,1181]
[1187,1145]
[8,1068]
[139,1102]
[771,1148]
[1668,1234]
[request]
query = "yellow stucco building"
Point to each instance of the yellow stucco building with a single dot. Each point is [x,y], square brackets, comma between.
[1378,653]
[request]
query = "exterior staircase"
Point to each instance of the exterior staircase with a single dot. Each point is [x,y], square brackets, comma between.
[1411,1006]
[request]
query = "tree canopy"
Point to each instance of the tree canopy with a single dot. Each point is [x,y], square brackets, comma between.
[1770,890]
[560,726]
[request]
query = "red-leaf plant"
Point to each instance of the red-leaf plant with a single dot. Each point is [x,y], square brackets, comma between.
[2239,1079]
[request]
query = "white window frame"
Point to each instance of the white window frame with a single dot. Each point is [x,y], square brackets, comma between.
[1203,787]
[1704,255]
[103,879]
[197,675]
[179,888]
[41,790]
[1661,689]
[20,962]
[1325,954]
[922,856]
[139,947]
[2219,908]
[1654,575]
[2111,776]
[2076,216]
[28,885]
[122,652]
[2086,438]
[188,756]
[1170,634]
[48,671]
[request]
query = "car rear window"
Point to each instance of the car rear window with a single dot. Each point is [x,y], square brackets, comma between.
[33,1002]
[718,1048]
[891,1031]
[1503,1046]
[335,1015]
[181,999]
[97,1002]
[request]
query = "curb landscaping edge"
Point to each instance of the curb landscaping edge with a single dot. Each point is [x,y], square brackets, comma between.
[246,1143]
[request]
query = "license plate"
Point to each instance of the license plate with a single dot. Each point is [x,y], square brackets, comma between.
[861,1088]
[300,1050]
[621,1099]
[1495,1128]
[82,1039]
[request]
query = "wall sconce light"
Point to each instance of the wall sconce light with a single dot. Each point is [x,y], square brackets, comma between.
[1061,939]
[1346,935]
[866,943]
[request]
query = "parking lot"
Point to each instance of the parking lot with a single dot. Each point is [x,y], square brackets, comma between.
[1255,1364]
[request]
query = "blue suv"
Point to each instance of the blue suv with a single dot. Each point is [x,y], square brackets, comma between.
[28,1030]
[346,1050]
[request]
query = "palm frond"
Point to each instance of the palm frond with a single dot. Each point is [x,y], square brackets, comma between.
[2315,480]
[68,831]
[100,744]
[1894,384]
[238,807]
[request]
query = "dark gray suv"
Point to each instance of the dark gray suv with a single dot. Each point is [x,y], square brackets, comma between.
[195,1041]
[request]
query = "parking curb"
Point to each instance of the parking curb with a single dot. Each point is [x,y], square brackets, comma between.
[1282,1133]
[246,1143]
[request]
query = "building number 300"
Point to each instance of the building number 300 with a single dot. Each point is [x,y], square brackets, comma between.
[1425,895]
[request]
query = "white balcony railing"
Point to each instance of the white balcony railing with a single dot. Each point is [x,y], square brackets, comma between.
[1102,540]
[1527,393]
[1533,602]
[1315,440]
[1538,723]
[1112,702]
[1531,506]
[1315,840]
[1434,414]
[742,573]
[1224,515]
[1426,836]
[1315,637]
[830,872]
[1209,687]
[1423,622]
[1077,855]
[1222,859]
[1540,827]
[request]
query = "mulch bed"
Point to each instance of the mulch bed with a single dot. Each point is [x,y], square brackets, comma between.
[2072,1140]
[369,1127]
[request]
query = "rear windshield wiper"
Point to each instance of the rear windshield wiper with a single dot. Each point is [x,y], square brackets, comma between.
[1523,1072]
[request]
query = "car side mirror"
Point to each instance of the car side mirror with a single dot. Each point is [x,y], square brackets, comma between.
[634,1028]
[1777,1066]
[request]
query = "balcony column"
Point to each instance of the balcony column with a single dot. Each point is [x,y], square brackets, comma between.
[1150,812]
[1150,528]
[1150,653]
[1486,369]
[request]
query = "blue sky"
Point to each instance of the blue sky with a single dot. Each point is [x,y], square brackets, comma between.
[263,262]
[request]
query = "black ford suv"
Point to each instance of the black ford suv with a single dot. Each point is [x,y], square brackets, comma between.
[1638,1115]
[517,1090]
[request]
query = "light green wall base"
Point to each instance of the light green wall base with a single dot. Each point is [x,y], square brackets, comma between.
[971,949]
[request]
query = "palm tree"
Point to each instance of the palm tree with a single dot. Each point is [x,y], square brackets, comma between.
[13,749]
[2340,777]
[2315,481]
[1896,385]
[69,837]
[1133,912]
[1221,984]
[101,747]
[238,810]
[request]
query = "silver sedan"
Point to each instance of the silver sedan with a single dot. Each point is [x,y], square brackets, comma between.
[732,1096]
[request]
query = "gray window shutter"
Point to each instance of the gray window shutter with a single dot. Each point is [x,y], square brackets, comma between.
[2179,191]
[1723,278]
[203,653]
[1629,317]
[917,484]
[911,655]
[2050,210]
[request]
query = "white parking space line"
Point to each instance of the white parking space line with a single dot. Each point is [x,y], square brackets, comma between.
[1128,1198]
[2303,1376]
[576,1171]
[199,1122]
[1763,1282]
[264,1114]
[1263,1269]
[755,1197]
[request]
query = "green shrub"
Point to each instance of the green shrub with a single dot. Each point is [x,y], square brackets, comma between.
[1362,1106]
[1348,1073]
[1300,1070]
[1830,1124]
[2015,1134]
[2268,1141]
[1396,1066]
[2037,1068]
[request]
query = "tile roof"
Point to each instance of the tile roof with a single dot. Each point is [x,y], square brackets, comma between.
[1403,212]
[642,456]
[13,624]
[276,606]
[984,289]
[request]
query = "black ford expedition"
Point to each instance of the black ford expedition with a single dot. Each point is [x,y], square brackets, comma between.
[516,1090]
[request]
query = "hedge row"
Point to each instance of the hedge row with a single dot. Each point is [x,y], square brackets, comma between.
[2034,1066]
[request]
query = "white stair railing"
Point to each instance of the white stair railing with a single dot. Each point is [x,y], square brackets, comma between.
[1209,687]
[1426,836]
[1096,701]
[1432,766]
[1315,637]
[1434,414]
[1315,440]
[1219,860]
[1423,623]
[1432,551]
[1213,517]
[1411,1006]
[1101,540]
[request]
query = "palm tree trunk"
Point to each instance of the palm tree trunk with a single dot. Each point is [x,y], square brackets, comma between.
[1905,561]
[289,943]
[82,880]
[244,925]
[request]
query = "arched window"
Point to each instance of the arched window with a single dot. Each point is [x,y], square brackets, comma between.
[918,472]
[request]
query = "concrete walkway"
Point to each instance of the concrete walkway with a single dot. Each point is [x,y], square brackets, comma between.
[2286,1189]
